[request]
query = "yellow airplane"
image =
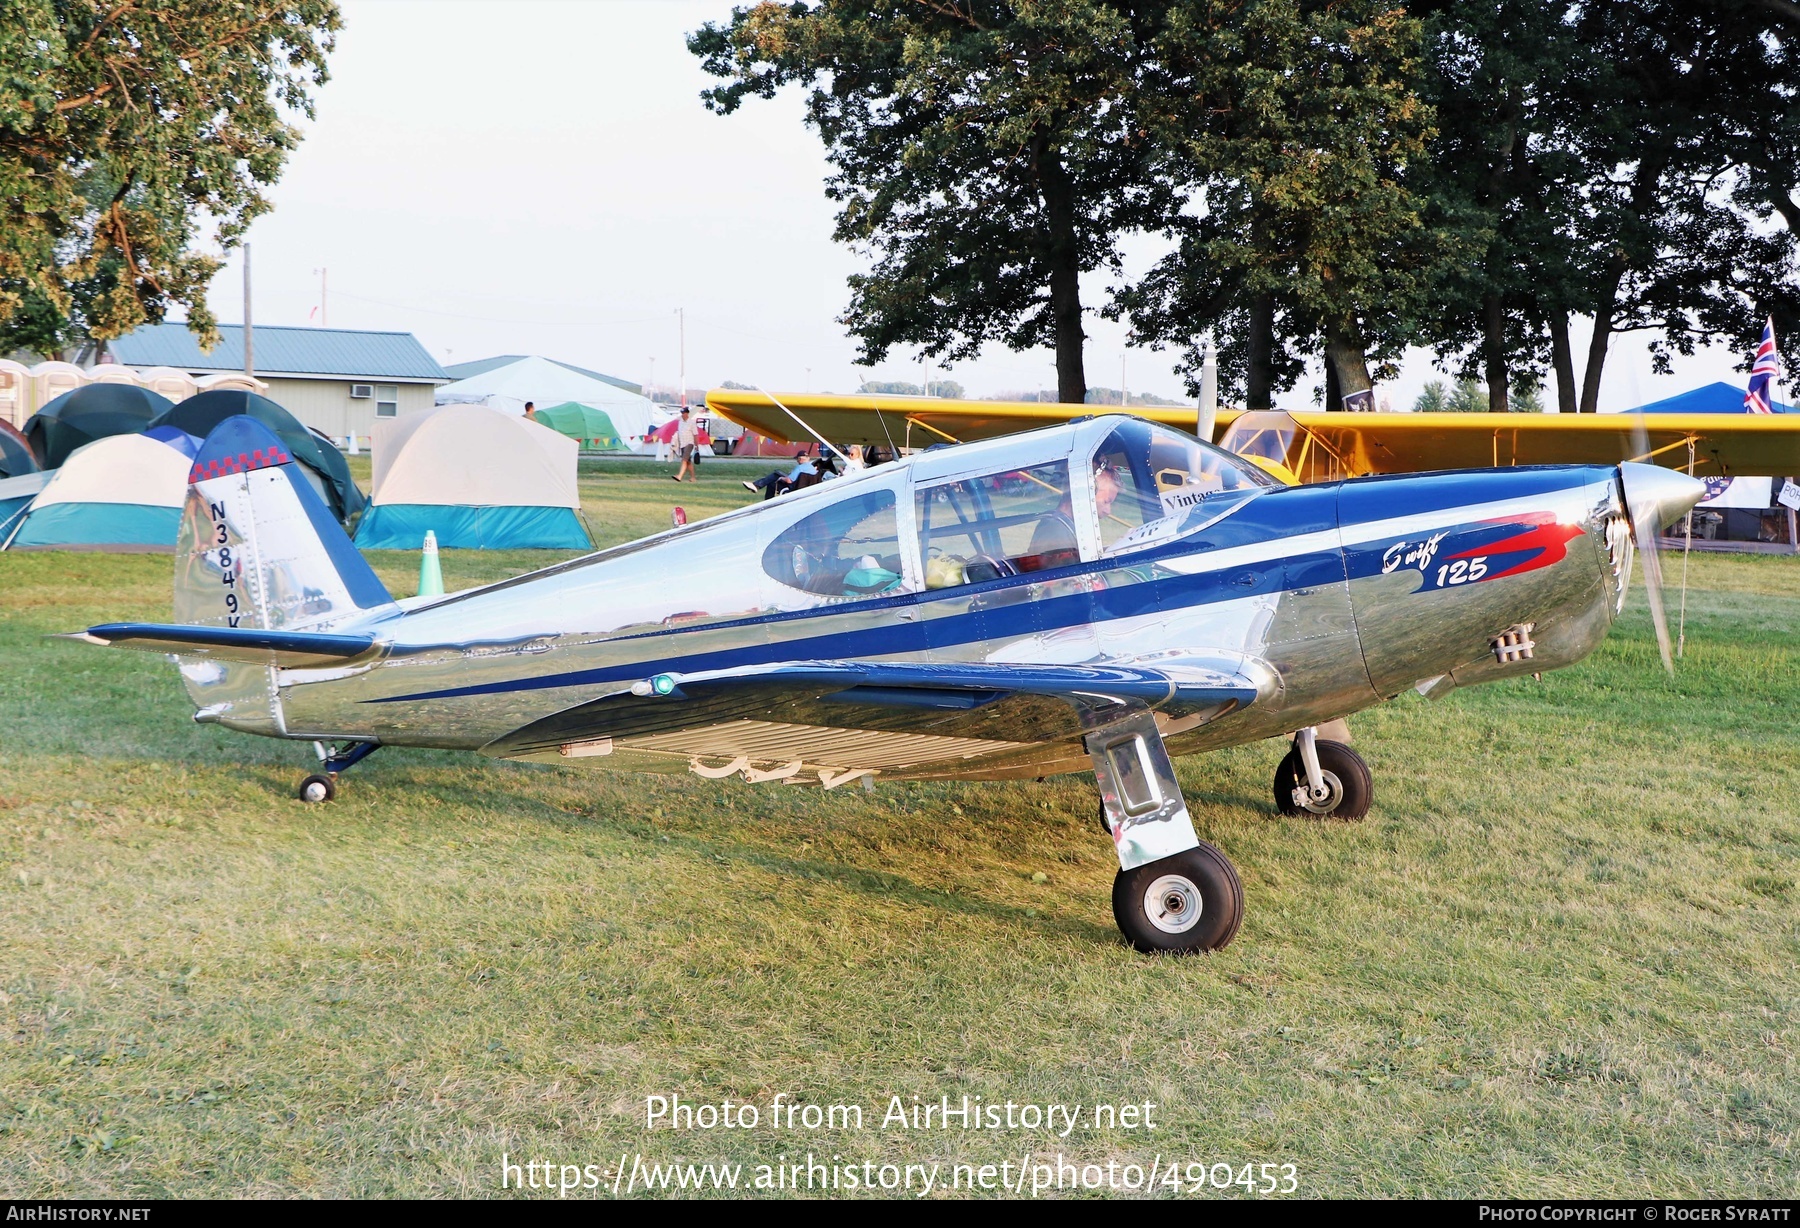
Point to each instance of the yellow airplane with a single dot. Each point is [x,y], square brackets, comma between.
[1308,446]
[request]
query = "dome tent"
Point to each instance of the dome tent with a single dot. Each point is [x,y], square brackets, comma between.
[198,415]
[93,411]
[583,424]
[479,478]
[120,494]
[16,459]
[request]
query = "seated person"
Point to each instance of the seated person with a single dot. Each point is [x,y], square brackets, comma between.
[1053,542]
[804,473]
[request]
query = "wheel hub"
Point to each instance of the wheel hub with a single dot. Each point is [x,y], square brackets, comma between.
[1334,794]
[1172,903]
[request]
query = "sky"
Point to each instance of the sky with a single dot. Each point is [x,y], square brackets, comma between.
[539,177]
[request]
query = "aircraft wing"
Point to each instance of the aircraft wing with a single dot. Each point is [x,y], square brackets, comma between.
[996,702]
[905,422]
[1319,446]
[1724,444]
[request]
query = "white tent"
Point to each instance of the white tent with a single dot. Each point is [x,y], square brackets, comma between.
[547,383]
[477,477]
[121,493]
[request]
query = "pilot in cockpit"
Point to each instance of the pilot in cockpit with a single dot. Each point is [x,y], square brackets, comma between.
[1053,543]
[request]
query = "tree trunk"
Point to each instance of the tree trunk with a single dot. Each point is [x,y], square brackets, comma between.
[1259,392]
[1344,356]
[1334,391]
[1603,320]
[1563,359]
[1493,340]
[1063,255]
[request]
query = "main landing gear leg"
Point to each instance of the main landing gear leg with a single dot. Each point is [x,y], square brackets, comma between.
[322,786]
[1174,892]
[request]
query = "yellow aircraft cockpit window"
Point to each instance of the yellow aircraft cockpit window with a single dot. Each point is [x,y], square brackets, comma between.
[996,525]
[849,549]
[1148,478]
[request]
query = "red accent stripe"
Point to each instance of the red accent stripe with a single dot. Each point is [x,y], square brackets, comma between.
[243,462]
[1549,538]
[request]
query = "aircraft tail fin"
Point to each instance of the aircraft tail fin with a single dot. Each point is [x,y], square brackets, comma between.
[258,548]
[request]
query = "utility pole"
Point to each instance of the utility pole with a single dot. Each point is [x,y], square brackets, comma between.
[324,305]
[681,317]
[650,387]
[249,340]
[1124,396]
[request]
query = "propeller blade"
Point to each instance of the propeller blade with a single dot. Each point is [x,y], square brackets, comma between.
[1647,534]
[1656,497]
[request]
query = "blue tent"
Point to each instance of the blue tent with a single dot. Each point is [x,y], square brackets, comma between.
[1714,398]
[123,493]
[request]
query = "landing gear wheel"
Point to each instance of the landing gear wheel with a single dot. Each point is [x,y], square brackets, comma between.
[1349,787]
[317,788]
[1190,902]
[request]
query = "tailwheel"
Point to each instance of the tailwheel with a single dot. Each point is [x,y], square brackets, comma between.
[1348,787]
[1190,902]
[318,788]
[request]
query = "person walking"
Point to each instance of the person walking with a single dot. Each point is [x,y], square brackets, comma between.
[687,443]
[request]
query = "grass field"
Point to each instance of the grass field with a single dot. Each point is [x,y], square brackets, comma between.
[1559,958]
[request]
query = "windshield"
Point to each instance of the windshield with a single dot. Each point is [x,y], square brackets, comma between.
[1147,479]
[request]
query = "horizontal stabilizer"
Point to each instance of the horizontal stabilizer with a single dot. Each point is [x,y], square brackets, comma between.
[287,649]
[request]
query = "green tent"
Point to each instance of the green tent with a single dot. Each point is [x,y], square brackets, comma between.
[588,426]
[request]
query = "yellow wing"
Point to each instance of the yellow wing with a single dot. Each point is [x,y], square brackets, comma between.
[1316,446]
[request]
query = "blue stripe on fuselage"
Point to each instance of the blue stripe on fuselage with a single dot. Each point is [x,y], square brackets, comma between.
[1273,516]
[993,622]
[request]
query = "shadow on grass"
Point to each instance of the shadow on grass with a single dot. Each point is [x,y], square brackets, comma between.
[873,884]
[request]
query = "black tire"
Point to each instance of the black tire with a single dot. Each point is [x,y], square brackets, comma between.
[1149,902]
[317,788]
[1346,774]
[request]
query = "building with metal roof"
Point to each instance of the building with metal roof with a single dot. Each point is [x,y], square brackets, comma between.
[481,366]
[335,380]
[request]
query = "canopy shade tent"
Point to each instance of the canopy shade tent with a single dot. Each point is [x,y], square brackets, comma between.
[1715,398]
[582,423]
[15,454]
[479,478]
[548,383]
[93,411]
[120,494]
[322,463]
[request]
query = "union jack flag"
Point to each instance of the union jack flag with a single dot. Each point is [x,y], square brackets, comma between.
[1763,372]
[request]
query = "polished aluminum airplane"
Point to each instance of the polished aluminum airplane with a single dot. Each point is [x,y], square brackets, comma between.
[1100,595]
